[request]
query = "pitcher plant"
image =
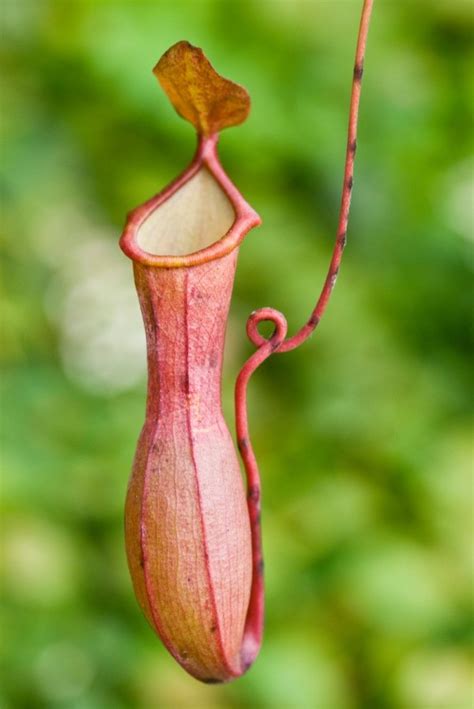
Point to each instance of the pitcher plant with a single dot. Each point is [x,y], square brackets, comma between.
[192,532]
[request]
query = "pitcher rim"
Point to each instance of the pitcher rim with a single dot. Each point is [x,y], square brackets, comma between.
[245,216]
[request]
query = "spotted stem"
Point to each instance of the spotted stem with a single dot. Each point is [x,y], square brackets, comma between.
[278,343]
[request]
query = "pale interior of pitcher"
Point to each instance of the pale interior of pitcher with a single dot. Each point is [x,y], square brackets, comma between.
[194,217]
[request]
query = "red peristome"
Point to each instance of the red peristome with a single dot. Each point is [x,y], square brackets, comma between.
[245,216]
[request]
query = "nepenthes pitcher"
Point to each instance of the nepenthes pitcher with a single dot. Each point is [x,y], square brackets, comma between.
[192,531]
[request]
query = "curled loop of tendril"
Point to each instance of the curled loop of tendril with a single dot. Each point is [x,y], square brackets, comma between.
[267,315]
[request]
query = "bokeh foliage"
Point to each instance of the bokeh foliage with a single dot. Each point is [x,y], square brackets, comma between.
[362,434]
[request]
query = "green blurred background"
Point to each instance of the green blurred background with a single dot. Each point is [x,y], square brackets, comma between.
[362,434]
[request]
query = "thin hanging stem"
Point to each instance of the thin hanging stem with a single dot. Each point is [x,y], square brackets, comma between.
[351,148]
[278,343]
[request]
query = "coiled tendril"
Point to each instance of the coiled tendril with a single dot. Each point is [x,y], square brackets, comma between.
[278,343]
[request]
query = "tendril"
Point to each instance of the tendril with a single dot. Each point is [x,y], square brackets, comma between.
[278,343]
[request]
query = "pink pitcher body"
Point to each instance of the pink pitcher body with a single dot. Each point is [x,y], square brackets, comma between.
[187,525]
[192,530]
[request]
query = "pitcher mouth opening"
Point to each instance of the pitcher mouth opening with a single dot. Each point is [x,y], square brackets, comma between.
[199,217]
[194,217]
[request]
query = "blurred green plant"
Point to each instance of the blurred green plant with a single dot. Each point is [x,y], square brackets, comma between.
[363,435]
